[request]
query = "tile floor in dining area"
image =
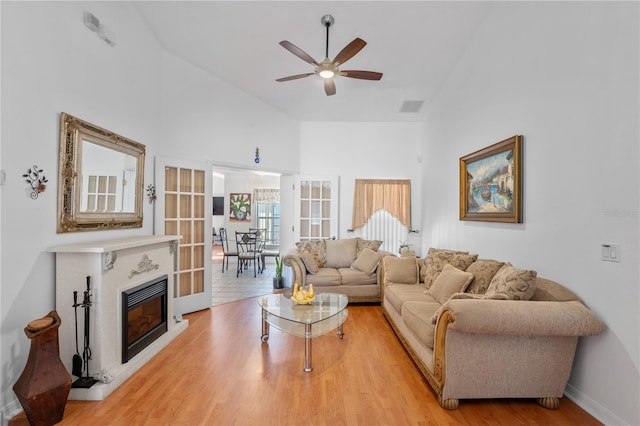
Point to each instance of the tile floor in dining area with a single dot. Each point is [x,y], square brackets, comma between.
[227,288]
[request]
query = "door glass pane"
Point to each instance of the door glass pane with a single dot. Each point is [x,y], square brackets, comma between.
[198,281]
[304,189]
[315,189]
[198,181]
[185,180]
[171,179]
[185,206]
[198,231]
[185,232]
[171,206]
[185,284]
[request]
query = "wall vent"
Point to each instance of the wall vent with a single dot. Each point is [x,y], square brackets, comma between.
[411,106]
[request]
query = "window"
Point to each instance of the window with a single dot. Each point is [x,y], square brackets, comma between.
[268,214]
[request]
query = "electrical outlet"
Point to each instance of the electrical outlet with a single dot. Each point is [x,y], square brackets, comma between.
[610,252]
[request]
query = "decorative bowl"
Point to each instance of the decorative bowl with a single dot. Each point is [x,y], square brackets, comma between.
[303,301]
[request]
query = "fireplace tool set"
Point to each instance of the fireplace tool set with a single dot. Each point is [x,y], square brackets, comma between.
[80,366]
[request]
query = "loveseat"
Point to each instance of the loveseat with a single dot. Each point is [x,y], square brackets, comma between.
[347,266]
[480,328]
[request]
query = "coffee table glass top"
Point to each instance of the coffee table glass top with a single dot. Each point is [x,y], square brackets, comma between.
[325,313]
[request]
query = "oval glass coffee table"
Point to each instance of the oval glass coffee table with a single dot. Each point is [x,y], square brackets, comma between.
[327,312]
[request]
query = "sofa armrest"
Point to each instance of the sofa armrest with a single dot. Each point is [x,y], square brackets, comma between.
[299,270]
[532,318]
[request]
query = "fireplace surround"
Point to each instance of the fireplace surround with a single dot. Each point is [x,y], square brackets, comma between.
[117,269]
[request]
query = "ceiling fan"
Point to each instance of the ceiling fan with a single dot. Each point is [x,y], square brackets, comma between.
[327,69]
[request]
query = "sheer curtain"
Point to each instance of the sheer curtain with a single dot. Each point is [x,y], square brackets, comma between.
[382,209]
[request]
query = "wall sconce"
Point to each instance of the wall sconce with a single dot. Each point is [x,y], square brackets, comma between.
[36,180]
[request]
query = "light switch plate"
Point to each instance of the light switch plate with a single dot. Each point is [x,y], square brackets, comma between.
[610,252]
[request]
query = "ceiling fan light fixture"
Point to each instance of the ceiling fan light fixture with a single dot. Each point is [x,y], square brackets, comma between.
[326,73]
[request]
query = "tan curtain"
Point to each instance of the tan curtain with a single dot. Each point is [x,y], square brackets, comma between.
[371,195]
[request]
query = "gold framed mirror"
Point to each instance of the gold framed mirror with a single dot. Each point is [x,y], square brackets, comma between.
[101,174]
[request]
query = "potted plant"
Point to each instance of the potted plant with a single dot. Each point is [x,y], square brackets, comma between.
[278,281]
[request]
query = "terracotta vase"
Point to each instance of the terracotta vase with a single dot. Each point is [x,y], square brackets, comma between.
[44,385]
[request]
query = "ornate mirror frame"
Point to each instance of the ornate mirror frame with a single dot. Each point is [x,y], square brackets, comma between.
[71,218]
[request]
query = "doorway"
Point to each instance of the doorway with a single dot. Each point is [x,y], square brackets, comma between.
[254,188]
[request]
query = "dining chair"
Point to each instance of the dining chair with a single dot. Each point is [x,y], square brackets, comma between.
[247,251]
[261,241]
[225,248]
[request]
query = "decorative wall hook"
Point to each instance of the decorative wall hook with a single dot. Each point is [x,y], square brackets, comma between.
[37,181]
[151,193]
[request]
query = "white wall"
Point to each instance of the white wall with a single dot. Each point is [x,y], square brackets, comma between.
[205,118]
[52,63]
[364,151]
[565,76]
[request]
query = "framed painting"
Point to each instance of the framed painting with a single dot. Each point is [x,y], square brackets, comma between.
[491,183]
[240,207]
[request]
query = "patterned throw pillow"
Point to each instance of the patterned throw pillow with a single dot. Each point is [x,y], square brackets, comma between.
[483,271]
[437,258]
[370,244]
[510,283]
[317,249]
[309,262]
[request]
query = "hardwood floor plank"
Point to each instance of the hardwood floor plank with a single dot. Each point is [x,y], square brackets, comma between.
[218,372]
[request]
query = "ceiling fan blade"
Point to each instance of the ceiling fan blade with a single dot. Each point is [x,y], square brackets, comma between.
[295,77]
[349,51]
[298,52]
[363,75]
[329,86]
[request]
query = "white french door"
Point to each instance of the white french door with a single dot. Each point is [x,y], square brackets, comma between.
[183,207]
[316,207]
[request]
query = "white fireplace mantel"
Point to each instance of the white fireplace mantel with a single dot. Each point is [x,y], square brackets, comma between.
[114,266]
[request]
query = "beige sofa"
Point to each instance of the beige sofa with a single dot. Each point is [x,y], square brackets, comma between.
[479,328]
[346,266]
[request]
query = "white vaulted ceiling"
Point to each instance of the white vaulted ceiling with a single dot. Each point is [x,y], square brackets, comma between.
[415,44]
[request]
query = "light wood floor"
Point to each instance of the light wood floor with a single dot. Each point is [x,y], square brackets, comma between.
[219,373]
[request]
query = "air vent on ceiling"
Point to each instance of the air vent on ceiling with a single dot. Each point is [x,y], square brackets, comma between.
[411,106]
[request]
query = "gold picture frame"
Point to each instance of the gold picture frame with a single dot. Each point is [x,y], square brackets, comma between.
[491,183]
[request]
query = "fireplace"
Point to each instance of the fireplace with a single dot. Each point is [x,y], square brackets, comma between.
[144,316]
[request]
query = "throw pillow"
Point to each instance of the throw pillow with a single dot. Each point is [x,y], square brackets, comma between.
[367,261]
[370,244]
[315,247]
[400,270]
[437,258]
[451,280]
[483,271]
[340,253]
[309,262]
[512,284]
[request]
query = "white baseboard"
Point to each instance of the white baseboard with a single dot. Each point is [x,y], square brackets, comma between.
[9,411]
[592,407]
